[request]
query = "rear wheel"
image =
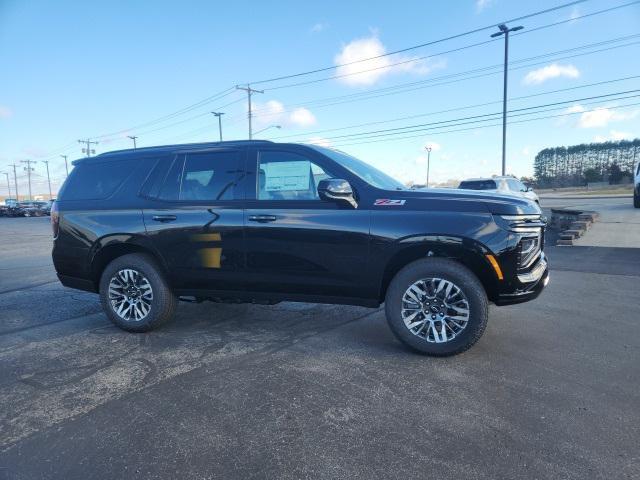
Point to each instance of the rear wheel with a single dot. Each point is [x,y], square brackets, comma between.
[437,307]
[636,200]
[135,295]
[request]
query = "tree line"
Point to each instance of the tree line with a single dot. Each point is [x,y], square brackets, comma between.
[588,162]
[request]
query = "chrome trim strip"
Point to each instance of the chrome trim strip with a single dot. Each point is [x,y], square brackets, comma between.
[535,274]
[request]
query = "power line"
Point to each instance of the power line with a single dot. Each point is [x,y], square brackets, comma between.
[465,107]
[482,126]
[456,76]
[458,49]
[202,102]
[477,117]
[414,47]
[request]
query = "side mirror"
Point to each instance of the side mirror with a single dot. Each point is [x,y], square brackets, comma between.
[336,190]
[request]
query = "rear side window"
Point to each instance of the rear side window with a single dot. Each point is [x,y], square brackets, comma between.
[478,185]
[202,177]
[96,181]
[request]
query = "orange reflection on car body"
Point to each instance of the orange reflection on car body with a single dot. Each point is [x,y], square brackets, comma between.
[210,257]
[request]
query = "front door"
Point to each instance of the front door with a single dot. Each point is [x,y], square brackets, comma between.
[297,243]
[196,220]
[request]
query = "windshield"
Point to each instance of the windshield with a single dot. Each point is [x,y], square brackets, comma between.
[366,172]
[478,185]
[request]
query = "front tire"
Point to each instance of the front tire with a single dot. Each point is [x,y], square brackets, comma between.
[437,307]
[134,294]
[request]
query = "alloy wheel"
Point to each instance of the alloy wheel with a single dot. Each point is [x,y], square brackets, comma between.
[435,309]
[130,295]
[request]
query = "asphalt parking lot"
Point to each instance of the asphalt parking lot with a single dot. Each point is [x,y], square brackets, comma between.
[316,391]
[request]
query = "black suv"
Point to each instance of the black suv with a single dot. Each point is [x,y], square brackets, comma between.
[264,222]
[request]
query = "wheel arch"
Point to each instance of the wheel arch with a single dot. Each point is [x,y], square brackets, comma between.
[468,252]
[109,248]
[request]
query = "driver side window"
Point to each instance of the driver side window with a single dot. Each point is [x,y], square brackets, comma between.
[288,176]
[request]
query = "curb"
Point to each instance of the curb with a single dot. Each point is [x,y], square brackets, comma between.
[572,224]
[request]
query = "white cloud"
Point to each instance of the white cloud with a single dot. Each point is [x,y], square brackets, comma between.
[274,112]
[368,72]
[598,117]
[482,4]
[5,112]
[575,13]
[575,108]
[320,141]
[318,27]
[614,135]
[541,75]
[302,117]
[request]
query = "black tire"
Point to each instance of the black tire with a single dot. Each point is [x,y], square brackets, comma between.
[163,304]
[636,200]
[451,271]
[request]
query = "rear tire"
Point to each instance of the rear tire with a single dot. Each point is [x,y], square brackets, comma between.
[134,294]
[443,323]
[636,200]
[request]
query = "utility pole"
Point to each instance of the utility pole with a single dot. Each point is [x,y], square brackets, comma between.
[219,115]
[8,184]
[505,31]
[428,149]
[46,162]
[28,169]
[15,181]
[133,137]
[249,91]
[88,150]
[66,166]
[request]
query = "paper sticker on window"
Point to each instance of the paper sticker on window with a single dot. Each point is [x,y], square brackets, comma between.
[286,176]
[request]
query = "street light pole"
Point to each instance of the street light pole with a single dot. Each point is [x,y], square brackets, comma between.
[428,149]
[66,166]
[15,181]
[8,184]
[46,163]
[133,137]
[219,115]
[505,31]
[265,129]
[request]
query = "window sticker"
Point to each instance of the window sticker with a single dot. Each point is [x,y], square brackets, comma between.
[286,176]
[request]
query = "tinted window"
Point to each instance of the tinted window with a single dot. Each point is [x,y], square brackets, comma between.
[96,181]
[366,172]
[513,185]
[202,177]
[288,176]
[478,185]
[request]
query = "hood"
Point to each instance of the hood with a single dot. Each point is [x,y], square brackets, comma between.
[466,200]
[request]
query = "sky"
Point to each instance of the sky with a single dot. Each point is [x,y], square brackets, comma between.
[107,70]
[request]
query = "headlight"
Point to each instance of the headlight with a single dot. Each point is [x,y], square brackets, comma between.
[529,249]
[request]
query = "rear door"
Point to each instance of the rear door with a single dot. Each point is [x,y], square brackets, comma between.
[195,218]
[297,243]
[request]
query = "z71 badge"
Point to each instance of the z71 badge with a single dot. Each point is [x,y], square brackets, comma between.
[388,202]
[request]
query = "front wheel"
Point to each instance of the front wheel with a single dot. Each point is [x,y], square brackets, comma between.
[134,294]
[437,307]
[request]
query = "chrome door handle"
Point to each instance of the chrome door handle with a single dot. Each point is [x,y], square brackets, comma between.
[262,218]
[164,218]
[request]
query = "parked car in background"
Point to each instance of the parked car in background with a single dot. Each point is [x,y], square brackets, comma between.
[506,185]
[263,222]
[34,209]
